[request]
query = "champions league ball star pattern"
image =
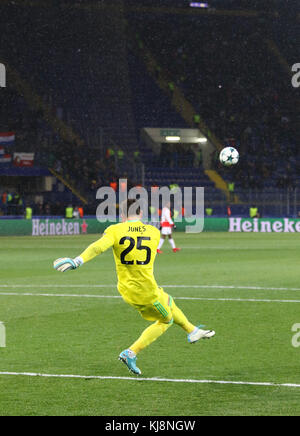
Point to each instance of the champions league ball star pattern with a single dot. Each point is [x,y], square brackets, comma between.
[229,156]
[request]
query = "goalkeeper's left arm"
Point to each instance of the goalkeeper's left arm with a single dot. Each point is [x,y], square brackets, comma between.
[65,263]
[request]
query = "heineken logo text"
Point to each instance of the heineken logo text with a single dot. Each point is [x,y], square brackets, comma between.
[49,228]
[284,225]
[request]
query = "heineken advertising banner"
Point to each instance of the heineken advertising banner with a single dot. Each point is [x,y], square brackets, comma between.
[64,227]
[50,227]
[58,227]
[71,227]
[261,225]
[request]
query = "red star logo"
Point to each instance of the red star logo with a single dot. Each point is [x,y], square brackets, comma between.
[84,227]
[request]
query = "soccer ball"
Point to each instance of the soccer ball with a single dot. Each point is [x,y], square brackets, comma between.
[229,156]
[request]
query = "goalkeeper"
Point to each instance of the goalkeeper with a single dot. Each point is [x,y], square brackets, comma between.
[134,247]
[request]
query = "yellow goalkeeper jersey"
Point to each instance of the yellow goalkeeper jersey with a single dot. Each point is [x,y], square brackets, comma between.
[134,246]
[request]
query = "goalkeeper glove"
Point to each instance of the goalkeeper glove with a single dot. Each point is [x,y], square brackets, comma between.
[65,264]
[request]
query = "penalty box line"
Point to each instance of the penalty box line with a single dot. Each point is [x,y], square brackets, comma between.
[249,300]
[152,379]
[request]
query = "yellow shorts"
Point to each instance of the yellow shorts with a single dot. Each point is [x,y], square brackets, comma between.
[160,310]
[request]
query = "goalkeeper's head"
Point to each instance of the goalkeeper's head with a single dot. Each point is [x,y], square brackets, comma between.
[130,209]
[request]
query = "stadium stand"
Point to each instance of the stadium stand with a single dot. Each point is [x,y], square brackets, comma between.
[83,124]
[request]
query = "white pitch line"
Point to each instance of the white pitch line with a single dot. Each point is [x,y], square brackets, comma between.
[253,288]
[33,294]
[249,300]
[153,379]
[57,286]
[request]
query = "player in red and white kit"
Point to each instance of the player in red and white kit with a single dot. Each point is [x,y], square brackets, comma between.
[167,226]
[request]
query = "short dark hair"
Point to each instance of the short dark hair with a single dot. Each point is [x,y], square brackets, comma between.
[128,205]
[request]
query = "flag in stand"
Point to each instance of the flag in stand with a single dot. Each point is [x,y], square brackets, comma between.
[4,158]
[23,159]
[7,138]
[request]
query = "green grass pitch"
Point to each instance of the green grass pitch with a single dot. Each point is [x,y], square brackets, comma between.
[245,286]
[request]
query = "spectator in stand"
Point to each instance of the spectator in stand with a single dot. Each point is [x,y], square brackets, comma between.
[76,214]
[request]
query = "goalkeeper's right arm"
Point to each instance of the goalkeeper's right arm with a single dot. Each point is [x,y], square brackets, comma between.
[65,264]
